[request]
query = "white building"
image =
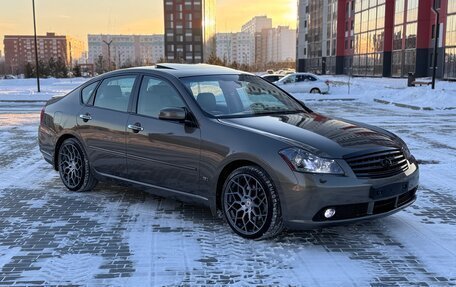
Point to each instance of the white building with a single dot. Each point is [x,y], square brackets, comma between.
[235,47]
[127,49]
[279,44]
[254,27]
[257,24]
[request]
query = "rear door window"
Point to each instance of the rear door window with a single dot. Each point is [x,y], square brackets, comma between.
[311,78]
[114,93]
[155,95]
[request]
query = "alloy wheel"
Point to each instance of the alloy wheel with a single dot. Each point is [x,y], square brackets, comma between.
[71,165]
[246,204]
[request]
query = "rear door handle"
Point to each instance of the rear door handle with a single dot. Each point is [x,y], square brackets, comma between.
[85,117]
[136,128]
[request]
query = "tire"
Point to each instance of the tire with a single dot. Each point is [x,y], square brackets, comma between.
[315,91]
[260,206]
[74,167]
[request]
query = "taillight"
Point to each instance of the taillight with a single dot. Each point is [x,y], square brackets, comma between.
[42,115]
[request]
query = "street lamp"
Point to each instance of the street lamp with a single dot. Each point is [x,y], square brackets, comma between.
[109,53]
[436,9]
[36,49]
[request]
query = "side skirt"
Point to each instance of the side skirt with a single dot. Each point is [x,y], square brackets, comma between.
[158,190]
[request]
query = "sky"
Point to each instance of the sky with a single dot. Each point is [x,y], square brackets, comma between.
[78,18]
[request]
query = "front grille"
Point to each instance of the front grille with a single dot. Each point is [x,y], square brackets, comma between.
[406,197]
[378,164]
[382,206]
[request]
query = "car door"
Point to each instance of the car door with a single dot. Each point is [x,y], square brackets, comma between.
[159,152]
[302,84]
[289,83]
[102,124]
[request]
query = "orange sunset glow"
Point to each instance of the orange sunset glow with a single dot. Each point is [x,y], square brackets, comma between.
[82,17]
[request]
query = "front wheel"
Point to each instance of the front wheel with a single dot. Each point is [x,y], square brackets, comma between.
[251,203]
[315,91]
[74,168]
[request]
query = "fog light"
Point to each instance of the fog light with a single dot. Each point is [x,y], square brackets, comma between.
[330,212]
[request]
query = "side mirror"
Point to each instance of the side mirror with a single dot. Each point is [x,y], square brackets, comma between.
[173,114]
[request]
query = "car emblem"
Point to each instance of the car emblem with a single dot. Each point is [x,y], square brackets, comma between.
[387,162]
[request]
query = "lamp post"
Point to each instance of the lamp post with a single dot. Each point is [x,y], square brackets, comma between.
[36,50]
[436,9]
[109,53]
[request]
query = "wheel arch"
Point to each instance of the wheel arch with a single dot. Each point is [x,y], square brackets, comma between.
[228,168]
[58,144]
[315,89]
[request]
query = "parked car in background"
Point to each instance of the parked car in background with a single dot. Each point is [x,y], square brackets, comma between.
[303,83]
[10,77]
[272,77]
[228,140]
[285,72]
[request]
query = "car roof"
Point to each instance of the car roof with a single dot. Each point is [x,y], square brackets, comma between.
[186,70]
[273,75]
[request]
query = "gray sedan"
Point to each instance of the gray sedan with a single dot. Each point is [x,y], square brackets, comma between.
[228,140]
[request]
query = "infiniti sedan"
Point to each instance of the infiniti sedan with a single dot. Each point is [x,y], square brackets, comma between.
[228,140]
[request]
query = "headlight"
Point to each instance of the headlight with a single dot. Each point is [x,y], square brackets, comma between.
[303,161]
[405,149]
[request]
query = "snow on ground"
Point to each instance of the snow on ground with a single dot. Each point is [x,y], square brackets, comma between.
[118,236]
[26,89]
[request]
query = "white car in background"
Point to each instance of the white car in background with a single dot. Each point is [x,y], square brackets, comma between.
[303,83]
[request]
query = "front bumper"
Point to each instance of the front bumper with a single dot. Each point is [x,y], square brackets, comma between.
[352,198]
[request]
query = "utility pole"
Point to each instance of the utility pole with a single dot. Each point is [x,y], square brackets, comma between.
[36,50]
[109,53]
[71,57]
[436,44]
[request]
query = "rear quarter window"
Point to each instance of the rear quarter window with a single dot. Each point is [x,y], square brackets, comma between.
[87,92]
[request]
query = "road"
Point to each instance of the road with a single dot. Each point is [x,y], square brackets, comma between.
[120,236]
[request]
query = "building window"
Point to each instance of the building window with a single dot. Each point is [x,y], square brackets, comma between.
[368,39]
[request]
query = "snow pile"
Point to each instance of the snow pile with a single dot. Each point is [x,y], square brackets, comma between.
[26,90]
[389,90]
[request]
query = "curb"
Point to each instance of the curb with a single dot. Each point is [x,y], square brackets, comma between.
[23,101]
[327,100]
[416,108]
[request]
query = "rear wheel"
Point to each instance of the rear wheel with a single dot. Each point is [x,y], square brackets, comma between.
[251,203]
[74,168]
[315,91]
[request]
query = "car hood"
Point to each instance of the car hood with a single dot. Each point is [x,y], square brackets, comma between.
[319,134]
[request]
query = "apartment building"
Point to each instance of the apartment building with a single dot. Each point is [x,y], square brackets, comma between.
[189,30]
[235,47]
[376,37]
[20,50]
[126,50]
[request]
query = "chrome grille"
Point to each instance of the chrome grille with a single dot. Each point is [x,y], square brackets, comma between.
[378,164]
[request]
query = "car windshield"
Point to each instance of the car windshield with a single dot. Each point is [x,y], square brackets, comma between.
[225,96]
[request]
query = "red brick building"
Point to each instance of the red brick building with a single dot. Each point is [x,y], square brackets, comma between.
[20,50]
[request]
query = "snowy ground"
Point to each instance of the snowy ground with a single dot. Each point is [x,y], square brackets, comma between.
[26,89]
[118,236]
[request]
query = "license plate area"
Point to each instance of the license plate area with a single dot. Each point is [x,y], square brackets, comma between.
[388,190]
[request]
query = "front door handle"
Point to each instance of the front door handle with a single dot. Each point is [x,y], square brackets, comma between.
[85,117]
[136,128]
